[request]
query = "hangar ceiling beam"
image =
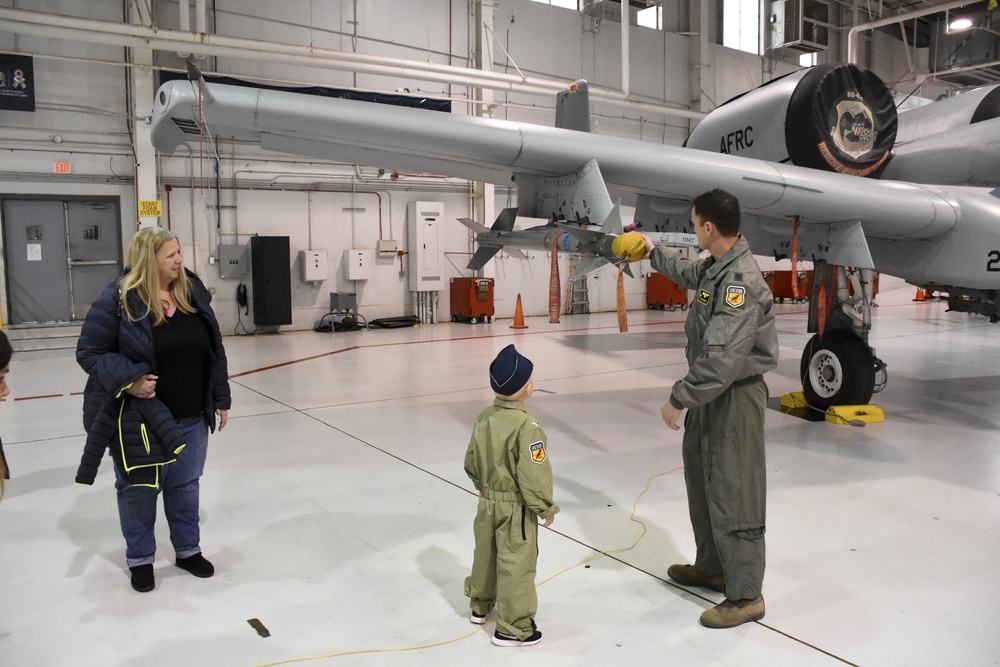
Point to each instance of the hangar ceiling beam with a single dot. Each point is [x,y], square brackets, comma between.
[71,28]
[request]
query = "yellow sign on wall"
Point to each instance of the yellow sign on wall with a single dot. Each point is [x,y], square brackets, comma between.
[150,207]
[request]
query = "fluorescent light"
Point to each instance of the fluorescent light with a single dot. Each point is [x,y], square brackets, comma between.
[959,24]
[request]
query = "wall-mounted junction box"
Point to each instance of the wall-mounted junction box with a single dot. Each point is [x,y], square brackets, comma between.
[314,265]
[359,264]
[233,261]
[387,247]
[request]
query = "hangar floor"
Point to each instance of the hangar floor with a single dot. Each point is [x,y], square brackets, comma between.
[337,513]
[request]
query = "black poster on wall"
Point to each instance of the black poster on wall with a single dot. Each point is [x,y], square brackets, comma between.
[17,83]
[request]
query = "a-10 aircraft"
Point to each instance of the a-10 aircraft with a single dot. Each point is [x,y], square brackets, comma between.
[823,166]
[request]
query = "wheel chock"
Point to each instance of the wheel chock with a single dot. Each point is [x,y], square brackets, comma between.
[845,414]
[794,399]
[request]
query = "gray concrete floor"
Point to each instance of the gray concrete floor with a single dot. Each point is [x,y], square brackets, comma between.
[337,513]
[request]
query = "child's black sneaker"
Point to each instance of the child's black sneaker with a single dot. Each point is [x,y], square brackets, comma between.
[500,639]
[476,619]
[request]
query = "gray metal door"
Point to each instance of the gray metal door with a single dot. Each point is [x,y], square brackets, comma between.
[94,250]
[59,254]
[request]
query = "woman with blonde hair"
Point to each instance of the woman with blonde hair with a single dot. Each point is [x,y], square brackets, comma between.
[158,377]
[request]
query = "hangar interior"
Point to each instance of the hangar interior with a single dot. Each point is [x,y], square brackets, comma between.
[335,506]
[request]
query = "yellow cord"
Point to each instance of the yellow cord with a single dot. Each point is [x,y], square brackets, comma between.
[374,650]
[482,627]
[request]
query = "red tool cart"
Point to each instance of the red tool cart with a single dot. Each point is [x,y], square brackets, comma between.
[780,283]
[662,292]
[472,299]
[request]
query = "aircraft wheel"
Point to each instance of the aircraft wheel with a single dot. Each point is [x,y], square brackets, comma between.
[837,370]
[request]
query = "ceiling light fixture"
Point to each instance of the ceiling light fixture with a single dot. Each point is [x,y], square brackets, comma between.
[959,24]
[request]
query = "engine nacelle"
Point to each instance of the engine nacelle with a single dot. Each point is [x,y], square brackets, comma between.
[834,117]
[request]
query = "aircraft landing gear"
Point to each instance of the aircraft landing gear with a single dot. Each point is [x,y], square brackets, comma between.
[839,367]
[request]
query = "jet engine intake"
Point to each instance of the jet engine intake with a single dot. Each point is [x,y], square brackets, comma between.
[834,117]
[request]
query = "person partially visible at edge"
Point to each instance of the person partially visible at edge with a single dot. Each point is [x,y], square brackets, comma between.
[6,352]
[731,343]
[152,334]
[507,461]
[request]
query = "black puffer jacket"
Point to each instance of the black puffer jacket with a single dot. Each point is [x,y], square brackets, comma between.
[115,352]
[141,434]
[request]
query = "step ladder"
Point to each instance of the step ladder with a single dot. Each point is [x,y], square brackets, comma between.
[579,302]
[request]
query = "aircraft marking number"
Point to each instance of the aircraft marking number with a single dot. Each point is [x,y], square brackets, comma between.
[993,264]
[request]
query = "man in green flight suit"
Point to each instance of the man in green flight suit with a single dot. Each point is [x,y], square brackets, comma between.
[732,342]
[507,461]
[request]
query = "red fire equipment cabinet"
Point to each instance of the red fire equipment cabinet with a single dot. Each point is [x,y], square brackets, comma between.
[780,283]
[472,299]
[662,292]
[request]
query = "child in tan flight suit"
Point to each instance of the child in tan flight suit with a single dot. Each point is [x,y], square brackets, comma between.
[508,463]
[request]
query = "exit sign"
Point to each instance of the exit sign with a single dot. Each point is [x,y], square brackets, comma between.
[61,168]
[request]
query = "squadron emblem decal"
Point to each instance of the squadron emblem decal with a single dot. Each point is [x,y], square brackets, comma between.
[537,450]
[854,132]
[736,295]
[704,296]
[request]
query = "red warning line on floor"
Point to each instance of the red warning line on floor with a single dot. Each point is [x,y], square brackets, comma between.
[433,340]
[31,398]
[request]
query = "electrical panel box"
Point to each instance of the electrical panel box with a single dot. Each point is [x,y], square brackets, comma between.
[342,302]
[232,261]
[272,280]
[314,265]
[387,247]
[359,264]
[423,231]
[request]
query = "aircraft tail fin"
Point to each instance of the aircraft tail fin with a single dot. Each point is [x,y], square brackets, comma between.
[505,221]
[483,255]
[573,107]
[588,264]
[613,223]
[473,225]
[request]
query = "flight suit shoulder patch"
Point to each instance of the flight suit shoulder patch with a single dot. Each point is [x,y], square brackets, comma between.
[537,450]
[736,295]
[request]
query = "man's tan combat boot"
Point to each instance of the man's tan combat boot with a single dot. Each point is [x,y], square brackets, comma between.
[689,575]
[730,613]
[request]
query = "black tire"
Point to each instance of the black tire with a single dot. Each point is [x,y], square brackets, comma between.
[837,370]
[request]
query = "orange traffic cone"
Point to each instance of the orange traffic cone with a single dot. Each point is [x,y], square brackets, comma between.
[922,295]
[518,316]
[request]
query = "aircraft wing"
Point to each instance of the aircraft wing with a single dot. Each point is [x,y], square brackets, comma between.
[892,226]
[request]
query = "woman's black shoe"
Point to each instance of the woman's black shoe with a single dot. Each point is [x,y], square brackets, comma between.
[142,578]
[196,565]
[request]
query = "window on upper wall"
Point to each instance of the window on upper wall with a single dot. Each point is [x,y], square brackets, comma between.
[567,4]
[651,17]
[741,25]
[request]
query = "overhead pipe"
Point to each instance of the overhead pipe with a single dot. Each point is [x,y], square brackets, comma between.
[852,45]
[104,32]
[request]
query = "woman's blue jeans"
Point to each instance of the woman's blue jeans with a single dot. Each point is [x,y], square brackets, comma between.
[179,483]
